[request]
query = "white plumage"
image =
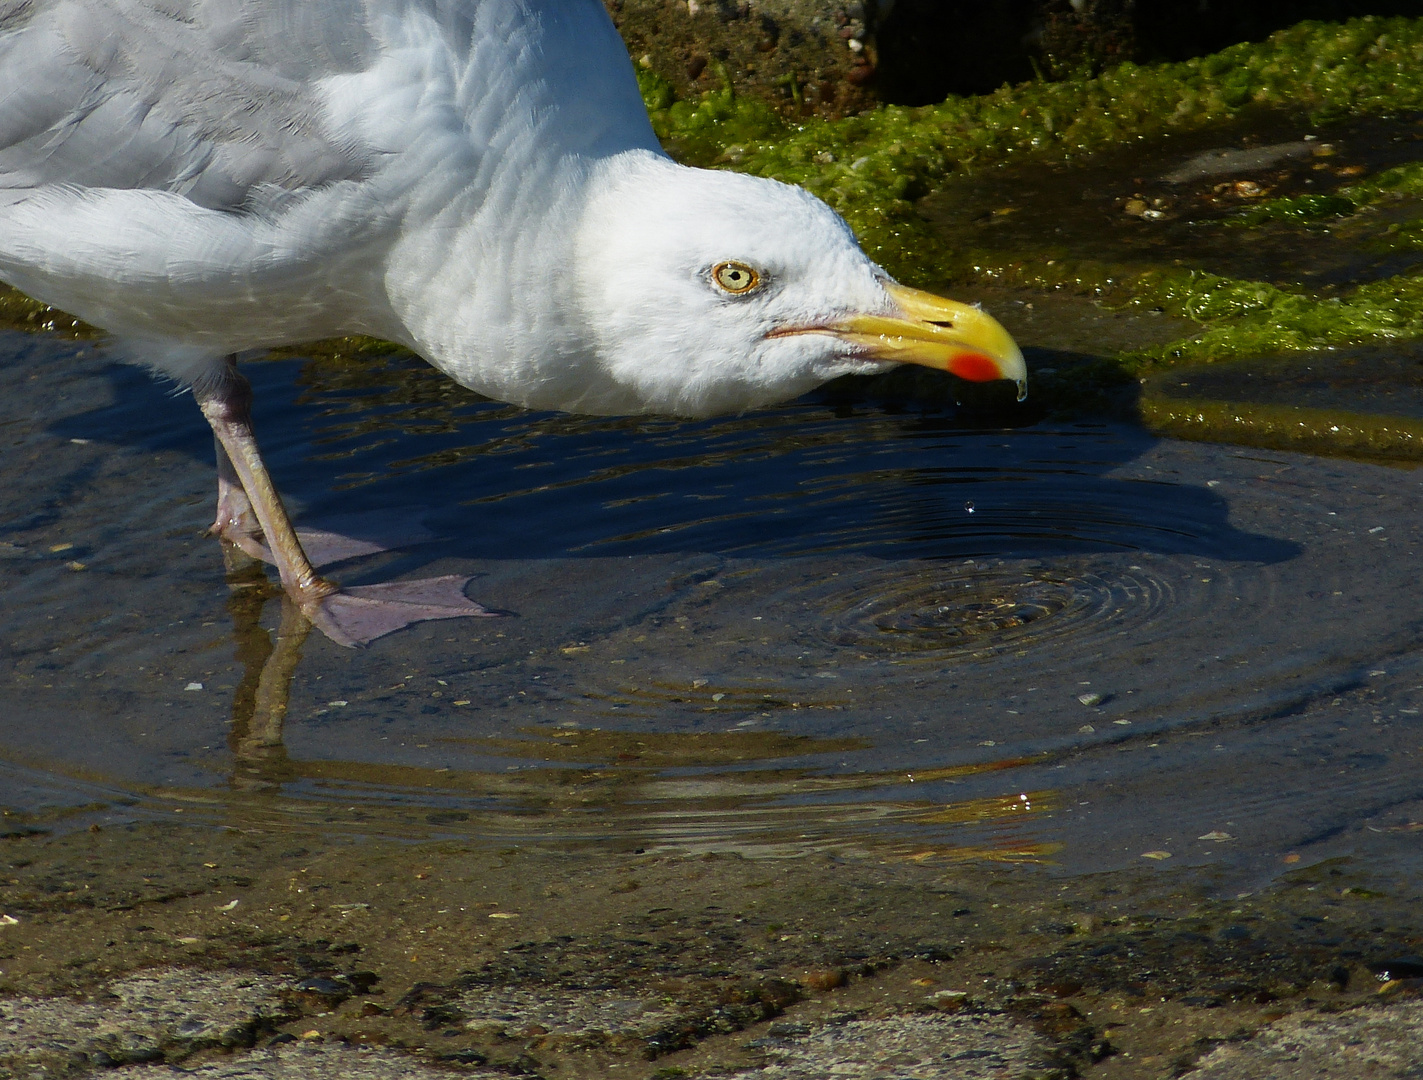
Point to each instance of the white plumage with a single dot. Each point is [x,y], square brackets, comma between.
[476,179]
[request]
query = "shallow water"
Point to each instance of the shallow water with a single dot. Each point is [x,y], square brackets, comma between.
[1190,191]
[817,627]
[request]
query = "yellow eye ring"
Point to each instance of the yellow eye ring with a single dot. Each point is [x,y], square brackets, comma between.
[735,277]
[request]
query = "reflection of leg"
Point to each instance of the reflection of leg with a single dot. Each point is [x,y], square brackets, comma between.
[260,759]
[249,590]
[352,618]
[274,687]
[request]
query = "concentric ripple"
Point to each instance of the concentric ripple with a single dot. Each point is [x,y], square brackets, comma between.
[941,613]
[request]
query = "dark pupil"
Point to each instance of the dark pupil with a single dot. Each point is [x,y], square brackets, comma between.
[735,276]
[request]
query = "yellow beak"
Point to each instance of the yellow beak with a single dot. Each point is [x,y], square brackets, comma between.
[941,334]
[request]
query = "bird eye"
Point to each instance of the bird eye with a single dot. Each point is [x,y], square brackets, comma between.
[735,277]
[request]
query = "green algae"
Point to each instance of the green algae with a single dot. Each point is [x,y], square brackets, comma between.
[19,312]
[1285,427]
[1381,311]
[1354,206]
[1404,181]
[872,167]
[1241,318]
[1298,209]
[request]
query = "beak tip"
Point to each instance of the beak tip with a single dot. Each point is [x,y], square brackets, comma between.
[943,334]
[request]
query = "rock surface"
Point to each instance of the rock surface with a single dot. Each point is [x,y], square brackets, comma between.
[1374,1043]
[833,57]
[800,55]
[154,1016]
[308,1061]
[970,1047]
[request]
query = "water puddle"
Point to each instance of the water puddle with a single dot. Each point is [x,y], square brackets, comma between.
[1179,201]
[817,628]
[1257,202]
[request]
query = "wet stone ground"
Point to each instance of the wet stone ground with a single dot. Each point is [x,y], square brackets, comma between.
[875,735]
[528,961]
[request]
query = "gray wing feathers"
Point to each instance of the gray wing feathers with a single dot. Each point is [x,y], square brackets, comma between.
[209,99]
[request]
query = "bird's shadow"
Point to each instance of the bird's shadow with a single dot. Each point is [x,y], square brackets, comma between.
[821,475]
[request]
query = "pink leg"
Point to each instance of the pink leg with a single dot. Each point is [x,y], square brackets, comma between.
[236,521]
[351,617]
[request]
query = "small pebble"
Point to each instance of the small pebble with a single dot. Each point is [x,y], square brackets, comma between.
[193,686]
[1157,855]
[828,979]
[1091,698]
[949,1000]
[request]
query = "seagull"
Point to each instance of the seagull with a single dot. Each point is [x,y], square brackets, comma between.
[477,180]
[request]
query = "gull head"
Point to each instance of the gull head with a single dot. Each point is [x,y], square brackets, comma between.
[710,292]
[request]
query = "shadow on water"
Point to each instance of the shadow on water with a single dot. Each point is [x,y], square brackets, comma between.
[816,477]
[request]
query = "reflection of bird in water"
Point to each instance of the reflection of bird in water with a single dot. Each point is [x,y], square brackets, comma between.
[476,179]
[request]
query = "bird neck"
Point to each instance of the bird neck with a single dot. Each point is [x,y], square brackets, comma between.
[516,110]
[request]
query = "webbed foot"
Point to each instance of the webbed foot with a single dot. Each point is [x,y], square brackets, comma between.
[360,614]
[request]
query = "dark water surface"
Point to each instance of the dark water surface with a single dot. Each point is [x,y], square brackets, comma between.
[817,627]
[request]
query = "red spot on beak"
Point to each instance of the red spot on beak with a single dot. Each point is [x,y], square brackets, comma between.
[975,367]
